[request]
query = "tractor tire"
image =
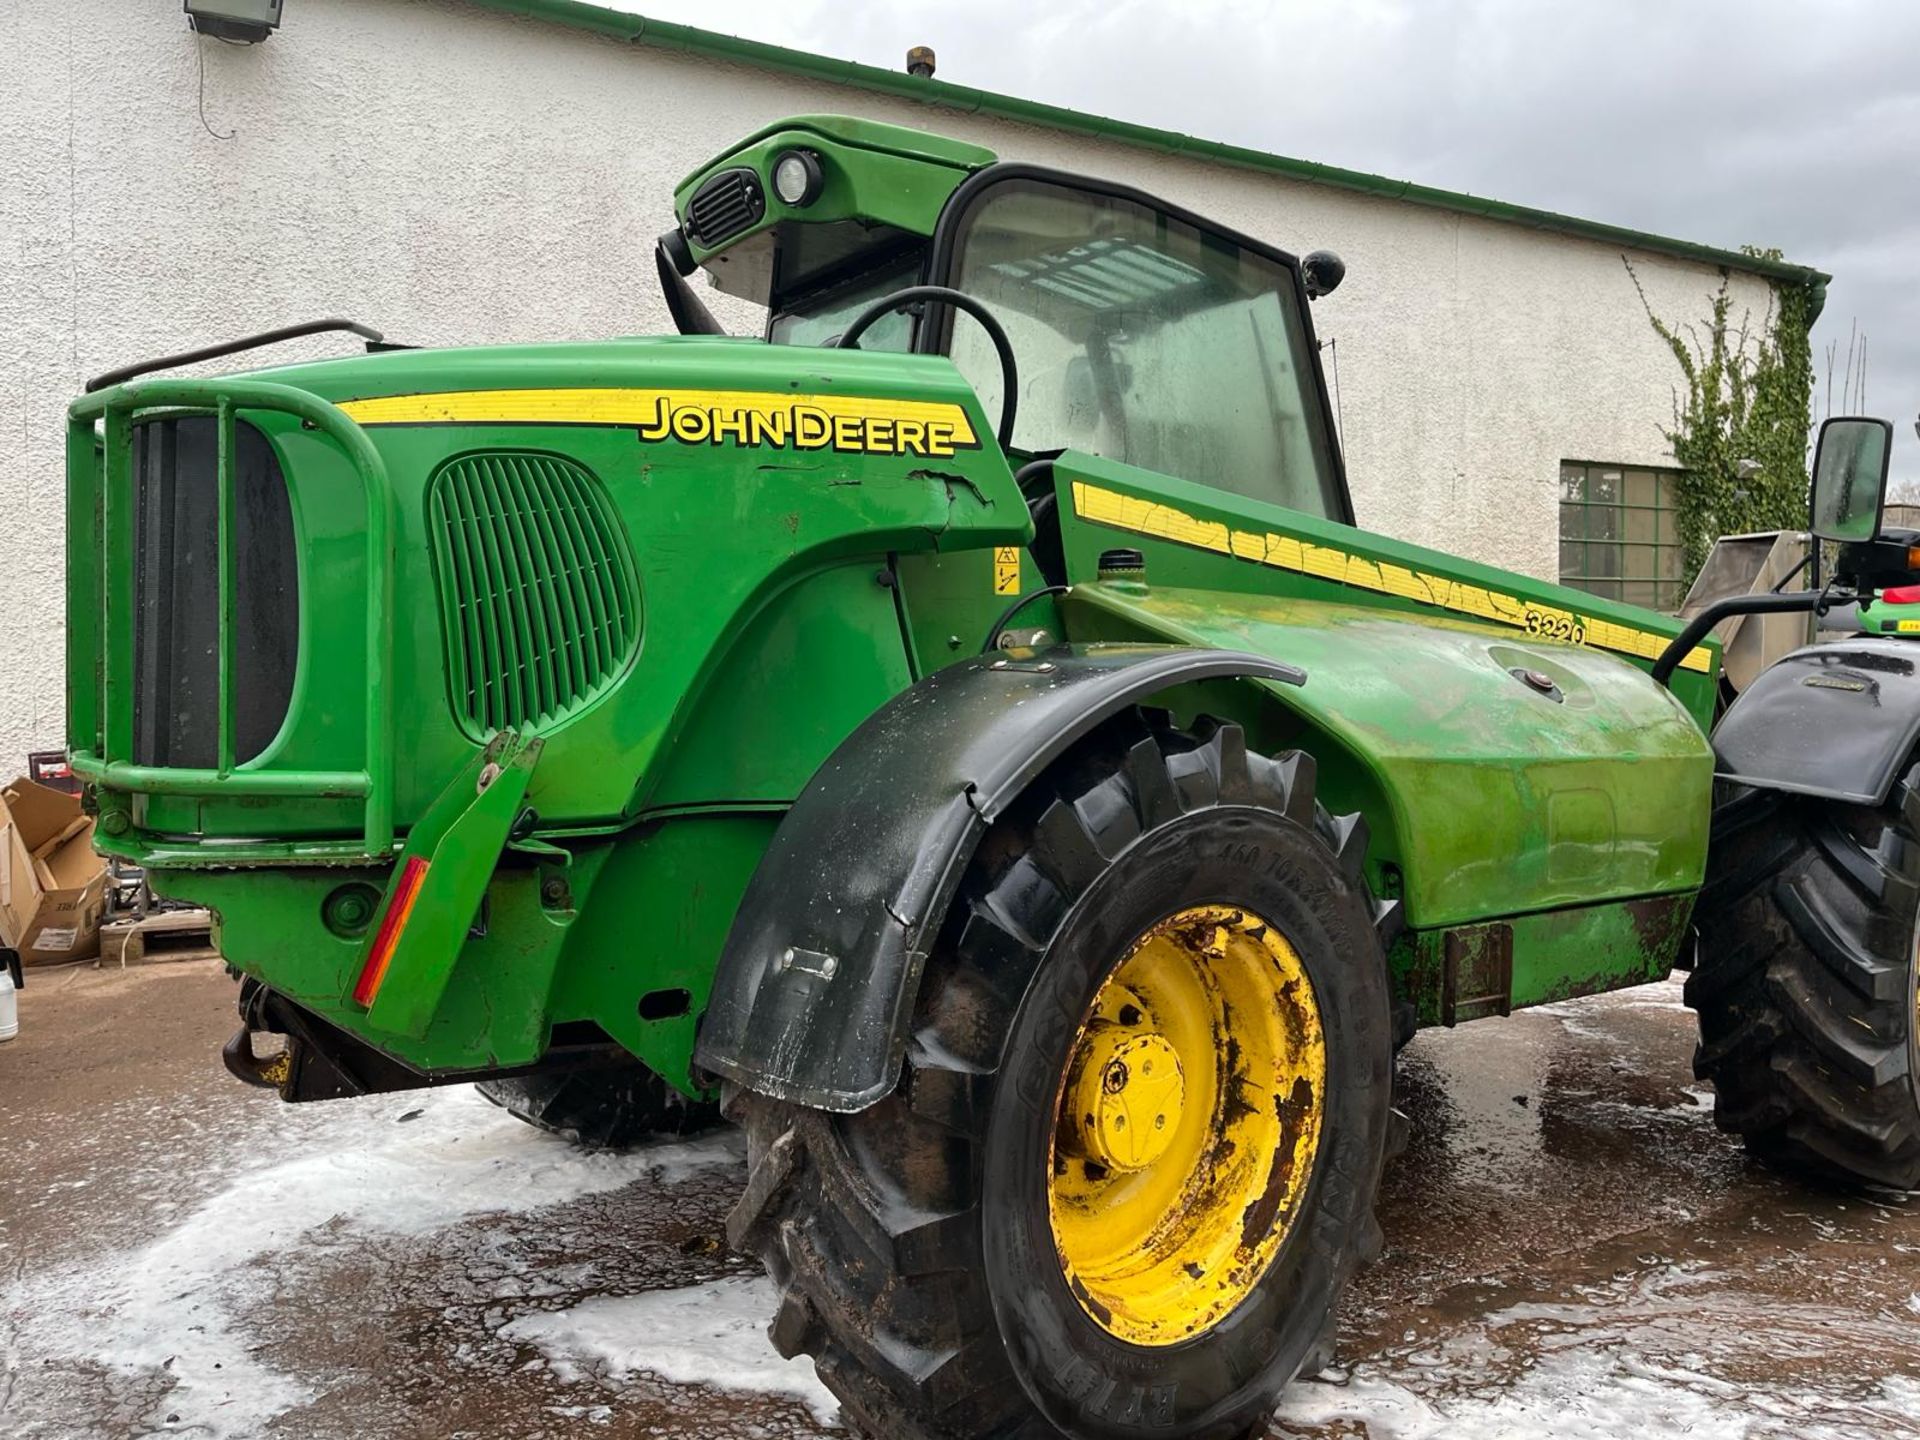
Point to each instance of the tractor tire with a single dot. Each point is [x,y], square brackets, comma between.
[601,1107]
[1804,982]
[980,1255]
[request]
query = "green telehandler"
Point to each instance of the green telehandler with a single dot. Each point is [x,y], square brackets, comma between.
[962,737]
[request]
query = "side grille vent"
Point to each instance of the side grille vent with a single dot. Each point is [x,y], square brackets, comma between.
[727,204]
[537,586]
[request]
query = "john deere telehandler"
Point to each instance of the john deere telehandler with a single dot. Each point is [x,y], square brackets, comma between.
[962,735]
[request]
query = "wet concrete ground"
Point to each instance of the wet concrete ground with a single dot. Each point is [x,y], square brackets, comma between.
[1573,1250]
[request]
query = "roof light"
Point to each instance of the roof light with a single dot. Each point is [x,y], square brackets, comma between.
[797,177]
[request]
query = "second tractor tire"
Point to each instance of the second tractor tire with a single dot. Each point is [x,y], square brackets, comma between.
[1805,982]
[923,1248]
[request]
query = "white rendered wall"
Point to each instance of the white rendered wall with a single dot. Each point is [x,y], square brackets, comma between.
[452,175]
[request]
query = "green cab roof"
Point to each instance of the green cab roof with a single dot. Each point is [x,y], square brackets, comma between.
[855,133]
[874,178]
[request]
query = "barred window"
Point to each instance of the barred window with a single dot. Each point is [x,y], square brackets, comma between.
[1620,535]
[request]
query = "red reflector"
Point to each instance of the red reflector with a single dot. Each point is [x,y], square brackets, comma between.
[1901,595]
[388,936]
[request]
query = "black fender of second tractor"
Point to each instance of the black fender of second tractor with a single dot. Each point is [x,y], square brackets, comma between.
[814,993]
[1836,721]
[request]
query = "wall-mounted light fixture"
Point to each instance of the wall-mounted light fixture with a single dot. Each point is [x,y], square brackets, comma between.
[245,21]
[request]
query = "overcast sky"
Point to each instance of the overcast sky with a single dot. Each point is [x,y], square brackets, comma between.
[1727,123]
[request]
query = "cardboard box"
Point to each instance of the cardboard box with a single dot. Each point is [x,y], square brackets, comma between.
[52,885]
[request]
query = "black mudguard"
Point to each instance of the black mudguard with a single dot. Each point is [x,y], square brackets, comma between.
[815,989]
[1837,721]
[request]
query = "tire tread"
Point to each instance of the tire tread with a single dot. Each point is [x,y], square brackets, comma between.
[887,1291]
[1804,983]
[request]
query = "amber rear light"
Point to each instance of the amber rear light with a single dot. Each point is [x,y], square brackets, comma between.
[392,924]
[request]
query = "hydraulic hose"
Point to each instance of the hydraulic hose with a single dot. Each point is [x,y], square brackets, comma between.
[959,300]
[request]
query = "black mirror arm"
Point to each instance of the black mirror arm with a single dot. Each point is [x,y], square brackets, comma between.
[959,300]
[689,311]
[1813,548]
[1696,629]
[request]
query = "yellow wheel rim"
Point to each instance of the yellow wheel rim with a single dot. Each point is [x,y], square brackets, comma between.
[1188,1126]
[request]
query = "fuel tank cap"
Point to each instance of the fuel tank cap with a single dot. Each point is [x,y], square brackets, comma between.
[1537,681]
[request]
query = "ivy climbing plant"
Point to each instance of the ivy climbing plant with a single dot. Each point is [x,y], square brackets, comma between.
[1744,395]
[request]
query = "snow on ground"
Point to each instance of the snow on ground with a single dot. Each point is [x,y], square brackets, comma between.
[1649,1354]
[159,1311]
[713,1335]
[398,1165]
[1587,1017]
[1594,1395]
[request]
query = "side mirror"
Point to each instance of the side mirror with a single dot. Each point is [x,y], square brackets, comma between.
[1850,478]
[1323,271]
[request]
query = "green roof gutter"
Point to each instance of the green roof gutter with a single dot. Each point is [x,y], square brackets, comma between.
[662,35]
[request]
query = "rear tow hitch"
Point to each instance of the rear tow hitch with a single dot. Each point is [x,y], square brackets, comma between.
[320,1060]
[269,1072]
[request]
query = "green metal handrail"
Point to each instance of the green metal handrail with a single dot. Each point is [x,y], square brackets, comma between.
[110,766]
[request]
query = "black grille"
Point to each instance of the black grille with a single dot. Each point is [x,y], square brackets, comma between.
[537,585]
[176,590]
[730,202]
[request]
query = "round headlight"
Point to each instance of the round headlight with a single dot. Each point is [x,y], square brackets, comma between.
[797,177]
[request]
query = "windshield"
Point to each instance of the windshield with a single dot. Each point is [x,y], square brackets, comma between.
[1143,338]
[818,316]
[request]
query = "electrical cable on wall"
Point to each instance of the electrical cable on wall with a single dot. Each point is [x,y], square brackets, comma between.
[200,57]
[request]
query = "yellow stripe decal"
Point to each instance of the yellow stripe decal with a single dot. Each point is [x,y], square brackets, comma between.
[857,423]
[1303,557]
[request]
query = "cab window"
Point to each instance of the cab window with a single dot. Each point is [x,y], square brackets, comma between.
[816,314]
[1145,339]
